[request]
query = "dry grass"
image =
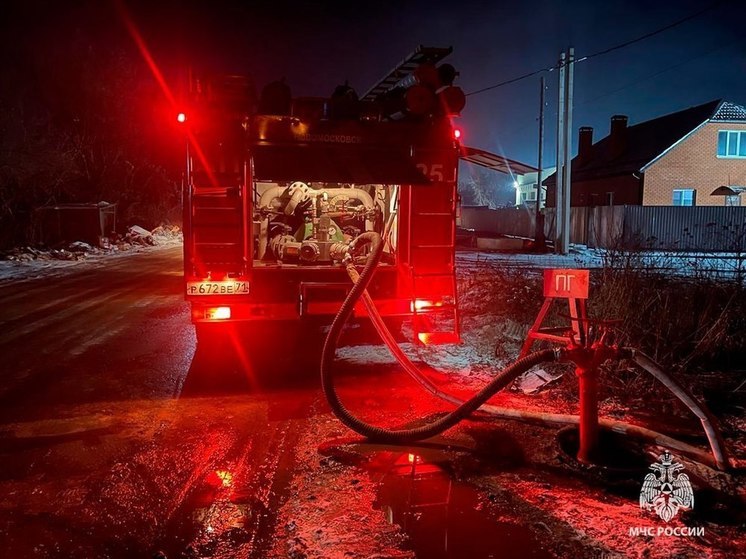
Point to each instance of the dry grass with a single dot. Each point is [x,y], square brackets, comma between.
[695,327]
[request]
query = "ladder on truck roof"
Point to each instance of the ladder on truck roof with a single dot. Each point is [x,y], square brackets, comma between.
[432,260]
[421,55]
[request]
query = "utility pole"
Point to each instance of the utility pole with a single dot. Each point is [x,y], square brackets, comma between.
[539,239]
[559,191]
[567,180]
[564,152]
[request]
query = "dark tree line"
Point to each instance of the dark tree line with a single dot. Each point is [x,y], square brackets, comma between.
[81,120]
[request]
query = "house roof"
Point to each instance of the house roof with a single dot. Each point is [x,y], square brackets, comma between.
[495,162]
[648,140]
[729,112]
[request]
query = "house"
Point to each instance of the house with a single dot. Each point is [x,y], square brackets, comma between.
[525,188]
[679,159]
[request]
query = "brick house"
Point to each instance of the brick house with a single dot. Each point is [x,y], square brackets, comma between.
[678,159]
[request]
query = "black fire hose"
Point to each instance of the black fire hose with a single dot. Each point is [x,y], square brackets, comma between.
[708,421]
[380,434]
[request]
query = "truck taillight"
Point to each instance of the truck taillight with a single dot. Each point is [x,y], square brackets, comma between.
[421,304]
[218,313]
[457,133]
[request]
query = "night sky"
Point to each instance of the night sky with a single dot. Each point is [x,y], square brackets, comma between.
[317,45]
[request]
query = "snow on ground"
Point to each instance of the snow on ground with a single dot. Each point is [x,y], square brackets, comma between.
[334,506]
[719,265]
[688,264]
[579,257]
[28,263]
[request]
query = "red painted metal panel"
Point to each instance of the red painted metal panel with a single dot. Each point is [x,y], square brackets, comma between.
[566,283]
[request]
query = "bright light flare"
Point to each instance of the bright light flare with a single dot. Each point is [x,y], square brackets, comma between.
[425,338]
[420,304]
[457,133]
[218,313]
[181,117]
[225,477]
[161,80]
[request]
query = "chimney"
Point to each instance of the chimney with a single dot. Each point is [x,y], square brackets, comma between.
[618,135]
[585,141]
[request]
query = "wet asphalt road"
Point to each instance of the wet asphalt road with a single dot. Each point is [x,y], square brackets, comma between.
[102,451]
[119,438]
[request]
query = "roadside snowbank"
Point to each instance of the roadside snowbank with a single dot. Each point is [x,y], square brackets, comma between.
[23,263]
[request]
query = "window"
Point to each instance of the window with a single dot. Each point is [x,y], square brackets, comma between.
[734,200]
[684,197]
[732,143]
[532,196]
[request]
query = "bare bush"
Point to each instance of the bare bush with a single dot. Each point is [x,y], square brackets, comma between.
[686,320]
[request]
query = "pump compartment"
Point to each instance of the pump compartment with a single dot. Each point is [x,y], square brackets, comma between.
[271,200]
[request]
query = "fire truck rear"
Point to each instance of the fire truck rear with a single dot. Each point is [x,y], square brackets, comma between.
[277,187]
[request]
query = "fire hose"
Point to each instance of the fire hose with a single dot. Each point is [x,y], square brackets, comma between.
[502,379]
[381,434]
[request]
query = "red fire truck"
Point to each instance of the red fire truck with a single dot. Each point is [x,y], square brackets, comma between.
[275,185]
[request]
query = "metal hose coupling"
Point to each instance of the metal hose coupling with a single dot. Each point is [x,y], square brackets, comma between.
[340,251]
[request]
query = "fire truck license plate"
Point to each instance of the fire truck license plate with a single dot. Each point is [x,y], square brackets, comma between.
[229,287]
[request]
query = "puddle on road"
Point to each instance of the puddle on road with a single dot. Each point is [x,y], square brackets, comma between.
[219,519]
[444,518]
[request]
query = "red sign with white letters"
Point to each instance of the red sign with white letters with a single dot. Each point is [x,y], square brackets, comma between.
[566,284]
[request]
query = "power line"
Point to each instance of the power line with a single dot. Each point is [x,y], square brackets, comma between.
[653,33]
[665,70]
[605,51]
[637,81]
[506,82]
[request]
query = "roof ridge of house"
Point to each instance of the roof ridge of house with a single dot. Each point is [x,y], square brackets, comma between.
[716,102]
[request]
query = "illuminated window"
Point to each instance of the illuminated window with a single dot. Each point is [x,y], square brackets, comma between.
[684,197]
[732,143]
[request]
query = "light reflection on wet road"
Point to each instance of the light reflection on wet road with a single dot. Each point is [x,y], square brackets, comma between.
[113,442]
[100,456]
[117,440]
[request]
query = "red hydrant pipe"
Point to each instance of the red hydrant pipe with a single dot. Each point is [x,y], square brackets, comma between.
[588,424]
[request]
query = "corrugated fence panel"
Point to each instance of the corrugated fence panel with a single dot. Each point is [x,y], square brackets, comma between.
[504,221]
[709,228]
[705,228]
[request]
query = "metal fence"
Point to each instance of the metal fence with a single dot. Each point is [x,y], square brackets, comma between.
[709,228]
[699,228]
[505,221]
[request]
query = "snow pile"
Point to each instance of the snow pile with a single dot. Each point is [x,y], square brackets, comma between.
[29,262]
[489,343]
[138,236]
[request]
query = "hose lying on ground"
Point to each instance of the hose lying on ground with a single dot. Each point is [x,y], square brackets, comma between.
[381,434]
[717,458]
[504,378]
[709,423]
